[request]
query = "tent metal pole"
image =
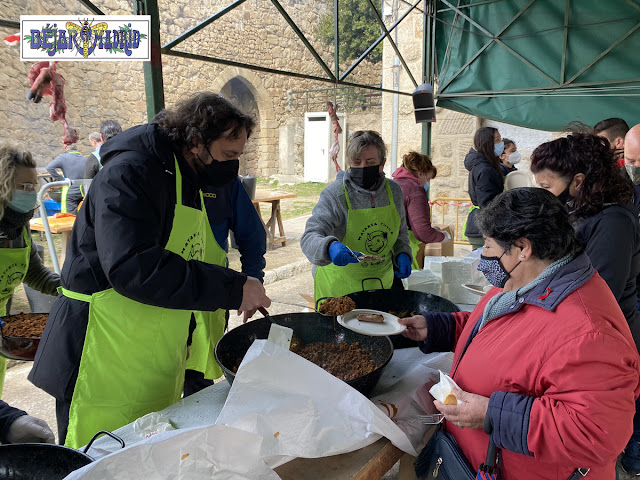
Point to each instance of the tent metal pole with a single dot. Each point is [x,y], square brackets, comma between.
[604,54]
[9,24]
[567,11]
[202,24]
[486,45]
[495,38]
[427,73]
[231,63]
[336,39]
[153,83]
[91,7]
[300,35]
[377,42]
[393,44]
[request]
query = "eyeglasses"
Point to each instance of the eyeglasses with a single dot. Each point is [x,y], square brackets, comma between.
[357,133]
[27,187]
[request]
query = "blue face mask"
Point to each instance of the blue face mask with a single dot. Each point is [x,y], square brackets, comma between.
[498,149]
[426,187]
[22,201]
[493,270]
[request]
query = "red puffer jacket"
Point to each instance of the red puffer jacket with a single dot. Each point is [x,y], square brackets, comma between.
[562,372]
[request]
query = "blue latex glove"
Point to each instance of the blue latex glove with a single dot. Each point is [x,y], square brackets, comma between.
[404,266]
[341,255]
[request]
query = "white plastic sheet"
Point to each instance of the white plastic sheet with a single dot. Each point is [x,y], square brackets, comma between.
[215,452]
[303,410]
[403,390]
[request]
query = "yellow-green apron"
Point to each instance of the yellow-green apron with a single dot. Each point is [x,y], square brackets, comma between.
[464,225]
[14,263]
[209,325]
[372,231]
[415,246]
[65,193]
[134,355]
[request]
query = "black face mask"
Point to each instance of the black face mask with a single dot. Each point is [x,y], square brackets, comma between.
[365,177]
[12,222]
[217,174]
[565,197]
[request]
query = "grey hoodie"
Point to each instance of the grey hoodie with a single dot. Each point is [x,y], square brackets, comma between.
[328,220]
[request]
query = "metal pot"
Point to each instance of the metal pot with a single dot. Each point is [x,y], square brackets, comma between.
[397,300]
[44,461]
[19,348]
[311,328]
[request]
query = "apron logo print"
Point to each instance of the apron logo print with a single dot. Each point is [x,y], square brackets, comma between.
[196,252]
[376,241]
[12,275]
[193,249]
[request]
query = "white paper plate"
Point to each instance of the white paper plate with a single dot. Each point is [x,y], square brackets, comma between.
[477,289]
[390,326]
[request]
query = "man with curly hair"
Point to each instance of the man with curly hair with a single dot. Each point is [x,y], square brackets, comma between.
[141,258]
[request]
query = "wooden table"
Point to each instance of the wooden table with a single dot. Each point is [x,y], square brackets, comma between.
[368,463]
[62,225]
[270,225]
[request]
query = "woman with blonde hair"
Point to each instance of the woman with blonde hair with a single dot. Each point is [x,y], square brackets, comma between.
[413,177]
[19,259]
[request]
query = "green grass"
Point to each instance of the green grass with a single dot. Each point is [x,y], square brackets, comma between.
[306,189]
[307,196]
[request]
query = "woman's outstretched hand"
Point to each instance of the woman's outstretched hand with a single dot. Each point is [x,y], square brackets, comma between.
[416,327]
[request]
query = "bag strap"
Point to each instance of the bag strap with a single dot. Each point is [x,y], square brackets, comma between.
[579,473]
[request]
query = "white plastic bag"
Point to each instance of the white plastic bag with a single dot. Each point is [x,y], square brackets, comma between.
[152,424]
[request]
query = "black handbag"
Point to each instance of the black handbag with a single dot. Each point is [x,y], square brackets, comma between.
[443,459]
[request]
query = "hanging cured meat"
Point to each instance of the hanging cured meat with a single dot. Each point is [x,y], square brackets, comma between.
[46,82]
[337,130]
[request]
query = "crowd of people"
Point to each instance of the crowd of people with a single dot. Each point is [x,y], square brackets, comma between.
[551,373]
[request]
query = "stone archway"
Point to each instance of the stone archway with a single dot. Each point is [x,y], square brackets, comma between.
[261,154]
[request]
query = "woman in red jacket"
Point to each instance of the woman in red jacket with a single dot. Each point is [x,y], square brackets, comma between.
[550,367]
[413,177]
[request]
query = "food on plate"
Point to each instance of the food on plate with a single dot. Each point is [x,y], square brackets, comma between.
[345,361]
[337,305]
[370,317]
[27,325]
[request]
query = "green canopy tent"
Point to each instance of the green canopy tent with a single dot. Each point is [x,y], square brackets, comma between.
[538,63]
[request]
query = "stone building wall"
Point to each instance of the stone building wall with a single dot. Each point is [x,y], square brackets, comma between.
[254,33]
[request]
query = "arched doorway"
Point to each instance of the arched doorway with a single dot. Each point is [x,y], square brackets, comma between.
[240,94]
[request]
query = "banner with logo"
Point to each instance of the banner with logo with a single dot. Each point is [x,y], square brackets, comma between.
[100,37]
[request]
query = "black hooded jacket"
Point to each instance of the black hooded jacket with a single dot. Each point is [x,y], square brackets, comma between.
[612,242]
[118,242]
[485,183]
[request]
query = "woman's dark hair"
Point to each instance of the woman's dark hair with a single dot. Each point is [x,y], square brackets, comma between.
[531,213]
[592,156]
[483,142]
[507,143]
[204,118]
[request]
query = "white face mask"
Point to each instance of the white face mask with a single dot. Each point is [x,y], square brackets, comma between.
[514,158]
